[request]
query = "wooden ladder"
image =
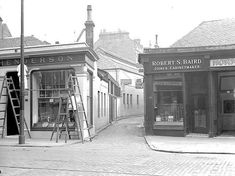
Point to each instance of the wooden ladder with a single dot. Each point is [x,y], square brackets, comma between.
[78,108]
[62,120]
[3,105]
[9,87]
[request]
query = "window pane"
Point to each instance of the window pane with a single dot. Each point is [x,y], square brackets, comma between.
[168,101]
[46,86]
[227,83]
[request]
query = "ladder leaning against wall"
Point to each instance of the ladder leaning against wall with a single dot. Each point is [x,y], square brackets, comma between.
[76,100]
[72,102]
[8,90]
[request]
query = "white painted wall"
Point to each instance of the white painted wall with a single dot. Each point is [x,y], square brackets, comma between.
[102,120]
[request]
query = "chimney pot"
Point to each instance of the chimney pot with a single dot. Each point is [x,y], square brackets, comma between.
[89,9]
[156,41]
[89,27]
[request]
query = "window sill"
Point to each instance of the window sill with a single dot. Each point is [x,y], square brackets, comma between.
[169,125]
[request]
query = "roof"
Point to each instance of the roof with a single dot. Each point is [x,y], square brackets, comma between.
[108,61]
[106,76]
[4,31]
[209,33]
[12,42]
[120,44]
[49,49]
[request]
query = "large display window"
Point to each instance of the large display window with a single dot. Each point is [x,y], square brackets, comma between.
[47,87]
[168,99]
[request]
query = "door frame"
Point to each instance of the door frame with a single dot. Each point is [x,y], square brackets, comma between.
[222,94]
[11,124]
[200,129]
[190,94]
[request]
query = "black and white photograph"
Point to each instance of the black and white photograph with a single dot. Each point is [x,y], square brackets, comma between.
[117,88]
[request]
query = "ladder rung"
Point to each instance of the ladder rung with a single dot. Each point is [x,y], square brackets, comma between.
[4,95]
[2,111]
[74,135]
[2,118]
[80,111]
[3,102]
[63,113]
[86,128]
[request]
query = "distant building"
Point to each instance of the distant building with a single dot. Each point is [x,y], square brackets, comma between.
[7,41]
[4,31]
[190,87]
[118,56]
[120,44]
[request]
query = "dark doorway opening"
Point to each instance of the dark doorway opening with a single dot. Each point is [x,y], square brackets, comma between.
[198,102]
[11,121]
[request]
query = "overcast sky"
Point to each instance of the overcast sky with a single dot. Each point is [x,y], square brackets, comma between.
[63,20]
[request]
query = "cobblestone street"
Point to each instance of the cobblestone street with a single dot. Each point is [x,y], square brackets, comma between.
[118,150]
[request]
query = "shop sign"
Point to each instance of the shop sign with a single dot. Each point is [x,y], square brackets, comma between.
[42,60]
[169,83]
[229,62]
[178,64]
[126,81]
[139,84]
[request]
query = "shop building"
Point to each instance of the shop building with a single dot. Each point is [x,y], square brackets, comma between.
[49,67]
[48,70]
[189,87]
[189,90]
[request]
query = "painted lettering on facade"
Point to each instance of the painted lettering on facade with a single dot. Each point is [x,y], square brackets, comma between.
[177,64]
[222,62]
[41,60]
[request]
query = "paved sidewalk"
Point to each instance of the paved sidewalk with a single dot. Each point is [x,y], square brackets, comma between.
[14,142]
[196,145]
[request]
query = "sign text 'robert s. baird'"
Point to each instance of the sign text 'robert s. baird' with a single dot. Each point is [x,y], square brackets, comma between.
[180,64]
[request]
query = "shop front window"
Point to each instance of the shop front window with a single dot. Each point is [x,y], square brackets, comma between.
[168,99]
[227,91]
[47,87]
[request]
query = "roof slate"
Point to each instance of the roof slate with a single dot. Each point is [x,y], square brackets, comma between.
[15,42]
[209,33]
[109,61]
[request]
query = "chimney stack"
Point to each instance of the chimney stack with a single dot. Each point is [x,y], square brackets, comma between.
[1,29]
[156,41]
[89,27]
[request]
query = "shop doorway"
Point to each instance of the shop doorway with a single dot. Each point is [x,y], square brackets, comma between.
[199,113]
[11,122]
[227,103]
[198,96]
